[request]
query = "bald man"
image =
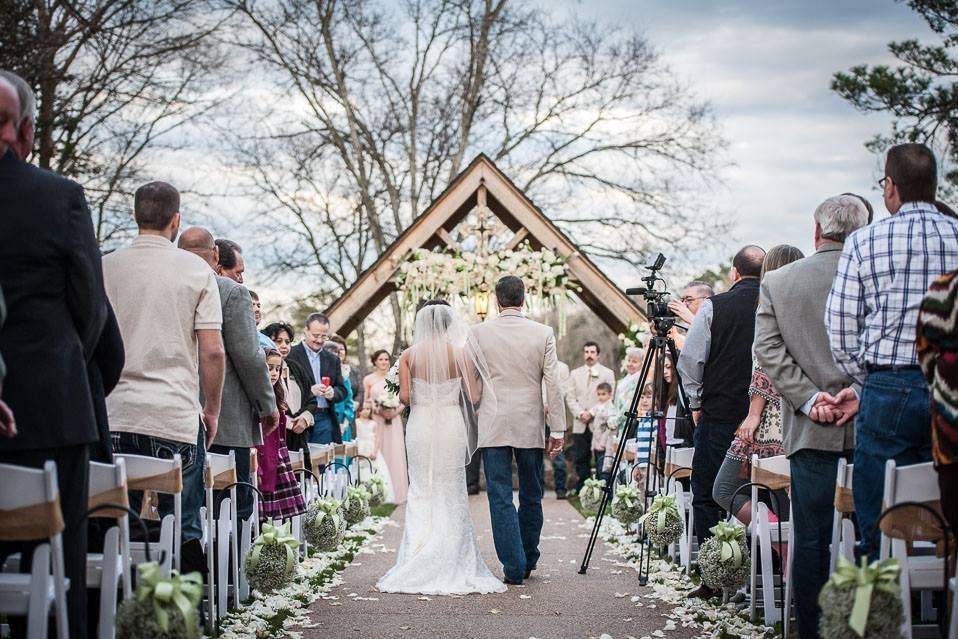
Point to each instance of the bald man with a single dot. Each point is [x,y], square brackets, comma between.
[52,280]
[247,394]
[716,369]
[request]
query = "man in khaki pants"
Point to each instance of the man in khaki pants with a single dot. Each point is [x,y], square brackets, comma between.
[581,396]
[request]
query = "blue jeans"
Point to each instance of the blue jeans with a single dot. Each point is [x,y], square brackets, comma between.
[244,495]
[149,446]
[194,494]
[894,422]
[516,534]
[712,440]
[322,431]
[813,497]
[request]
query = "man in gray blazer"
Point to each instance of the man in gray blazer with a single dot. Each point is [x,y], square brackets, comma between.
[791,344]
[521,357]
[248,398]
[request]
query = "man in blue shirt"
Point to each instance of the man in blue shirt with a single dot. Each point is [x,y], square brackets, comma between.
[319,364]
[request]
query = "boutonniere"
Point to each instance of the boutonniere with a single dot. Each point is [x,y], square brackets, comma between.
[593,374]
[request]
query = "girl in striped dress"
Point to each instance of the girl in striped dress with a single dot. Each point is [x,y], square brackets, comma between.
[282,497]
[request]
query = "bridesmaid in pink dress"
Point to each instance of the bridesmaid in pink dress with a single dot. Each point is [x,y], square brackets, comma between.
[390,439]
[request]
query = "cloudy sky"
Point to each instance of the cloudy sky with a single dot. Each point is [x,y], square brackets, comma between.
[766,68]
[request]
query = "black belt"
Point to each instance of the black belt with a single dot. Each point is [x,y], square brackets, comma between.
[873,368]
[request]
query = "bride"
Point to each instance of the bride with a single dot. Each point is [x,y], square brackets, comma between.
[441,377]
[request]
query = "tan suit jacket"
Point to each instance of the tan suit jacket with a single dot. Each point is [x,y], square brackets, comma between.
[562,379]
[521,356]
[581,391]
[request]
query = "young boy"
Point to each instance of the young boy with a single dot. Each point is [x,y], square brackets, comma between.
[603,430]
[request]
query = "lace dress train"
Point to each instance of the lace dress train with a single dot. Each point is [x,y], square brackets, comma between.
[438,554]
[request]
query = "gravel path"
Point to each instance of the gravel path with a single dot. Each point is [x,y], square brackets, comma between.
[555,602]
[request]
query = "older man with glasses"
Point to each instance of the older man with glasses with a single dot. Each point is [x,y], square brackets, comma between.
[694,293]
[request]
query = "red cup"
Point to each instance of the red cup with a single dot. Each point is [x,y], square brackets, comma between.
[325,381]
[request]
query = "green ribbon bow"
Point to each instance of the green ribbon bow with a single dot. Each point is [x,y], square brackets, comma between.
[183,591]
[882,575]
[729,535]
[359,492]
[661,506]
[327,508]
[272,534]
[594,488]
[628,495]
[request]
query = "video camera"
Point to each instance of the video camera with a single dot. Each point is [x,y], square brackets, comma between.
[657,306]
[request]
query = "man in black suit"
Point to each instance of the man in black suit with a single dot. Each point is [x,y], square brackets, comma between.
[317,363]
[51,275]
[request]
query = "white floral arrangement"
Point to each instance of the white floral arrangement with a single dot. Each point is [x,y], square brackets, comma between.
[663,525]
[627,505]
[392,378]
[164,607]
[723,559]
[324,524]
[376,488]
[635,336]
[356,505]
[862,601]
[590,496]
[454,274]
[271,562]
[388,400]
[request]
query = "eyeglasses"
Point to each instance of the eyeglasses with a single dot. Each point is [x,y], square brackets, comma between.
[882,182]
[688,299]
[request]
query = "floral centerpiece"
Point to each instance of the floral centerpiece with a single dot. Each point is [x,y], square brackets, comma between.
[460,275]
[627,505]
[862,601]
[356,505]
[164,607]
[271,562]
[591,494]
[324,524]
[663,524]
[723,559]
[376,488]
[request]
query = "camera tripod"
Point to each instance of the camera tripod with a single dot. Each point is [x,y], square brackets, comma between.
[661,346]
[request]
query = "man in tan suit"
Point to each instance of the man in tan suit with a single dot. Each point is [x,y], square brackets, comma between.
[581,396]
[521,356]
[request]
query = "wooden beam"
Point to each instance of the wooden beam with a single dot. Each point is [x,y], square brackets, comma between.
[516,240]
[448,239]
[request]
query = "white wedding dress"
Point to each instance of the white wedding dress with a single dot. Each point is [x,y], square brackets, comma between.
[439,554]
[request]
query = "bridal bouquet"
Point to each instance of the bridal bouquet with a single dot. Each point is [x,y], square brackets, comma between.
[163,607]
[591,494]
[376,488]
[356,505]
[392,377]
[663,525]
[723,559]
[324,524]
[627,505]
[388,401]
[271,562]
[862,601]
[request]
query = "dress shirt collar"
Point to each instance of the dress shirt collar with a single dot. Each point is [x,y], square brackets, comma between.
[310,352]
[152,240]
[829,245]
[511,312]
[915,207]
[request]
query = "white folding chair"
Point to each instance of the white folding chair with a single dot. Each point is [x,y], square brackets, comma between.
[926,572]
[678,465]
[250,526]
[164,476]
[220,473]
[105,570]
[843,528]
[775,473]
[30,511]
[953,587]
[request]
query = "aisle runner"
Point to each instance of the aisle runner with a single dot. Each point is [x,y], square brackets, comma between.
[556,602]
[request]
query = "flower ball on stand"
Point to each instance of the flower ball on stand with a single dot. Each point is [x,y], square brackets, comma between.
[862,601]
[271,562]
[663,524]
[163,607]
[591,494]
[627,505]
[376,489]
[356,505]
[324,524]
[723,560]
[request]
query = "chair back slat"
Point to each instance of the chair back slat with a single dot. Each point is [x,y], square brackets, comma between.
[29,503]
[220,470]
[153,473]
[774,472]
[108,486]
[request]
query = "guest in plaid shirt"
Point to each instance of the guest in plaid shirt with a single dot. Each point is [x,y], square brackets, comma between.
[872,311]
